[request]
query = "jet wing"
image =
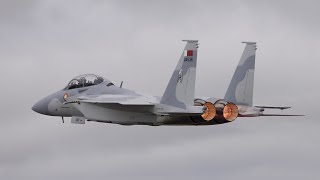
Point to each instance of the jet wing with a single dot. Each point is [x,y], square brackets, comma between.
[117,99]
[273,107]
[131,103]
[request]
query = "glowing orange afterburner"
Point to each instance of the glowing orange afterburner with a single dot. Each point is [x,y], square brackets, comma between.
[230,112]
[210,111]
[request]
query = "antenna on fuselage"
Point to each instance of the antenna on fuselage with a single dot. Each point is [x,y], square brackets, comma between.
[62,119]
[121,84]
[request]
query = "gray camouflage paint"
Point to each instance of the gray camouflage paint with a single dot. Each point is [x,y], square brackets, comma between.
[111,104]
[178,97]
[52,105]
[240,90]
[180,90]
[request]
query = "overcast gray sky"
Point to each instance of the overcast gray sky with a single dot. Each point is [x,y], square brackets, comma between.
[45,43]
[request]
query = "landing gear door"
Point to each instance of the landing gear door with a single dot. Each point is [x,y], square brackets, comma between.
[78,120]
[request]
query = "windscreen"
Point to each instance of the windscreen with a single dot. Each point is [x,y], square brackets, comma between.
[84,81]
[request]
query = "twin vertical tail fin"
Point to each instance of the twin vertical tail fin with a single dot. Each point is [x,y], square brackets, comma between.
[180,90]
[240,90]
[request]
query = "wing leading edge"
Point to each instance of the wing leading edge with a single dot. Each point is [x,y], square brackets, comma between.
[117,99]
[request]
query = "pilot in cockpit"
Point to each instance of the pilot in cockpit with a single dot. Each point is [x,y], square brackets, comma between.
[84,81]
[98,80]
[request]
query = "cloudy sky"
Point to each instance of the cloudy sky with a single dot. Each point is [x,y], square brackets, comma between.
[45,43]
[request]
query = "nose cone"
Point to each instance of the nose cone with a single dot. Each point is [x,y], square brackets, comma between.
[41,107]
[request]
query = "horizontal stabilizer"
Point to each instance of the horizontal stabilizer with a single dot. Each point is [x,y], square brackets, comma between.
[281,115]
[273,107]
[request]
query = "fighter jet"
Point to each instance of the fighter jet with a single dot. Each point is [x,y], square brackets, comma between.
[93,98]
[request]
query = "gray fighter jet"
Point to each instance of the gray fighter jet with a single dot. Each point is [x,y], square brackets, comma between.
[93,98]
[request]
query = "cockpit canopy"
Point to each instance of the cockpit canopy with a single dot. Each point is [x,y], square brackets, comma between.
[85,80]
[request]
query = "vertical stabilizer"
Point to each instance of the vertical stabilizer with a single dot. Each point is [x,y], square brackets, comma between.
[180,90]
[240,90]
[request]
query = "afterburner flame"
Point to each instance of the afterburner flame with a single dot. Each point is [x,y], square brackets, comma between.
[230,112]
[210,111]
